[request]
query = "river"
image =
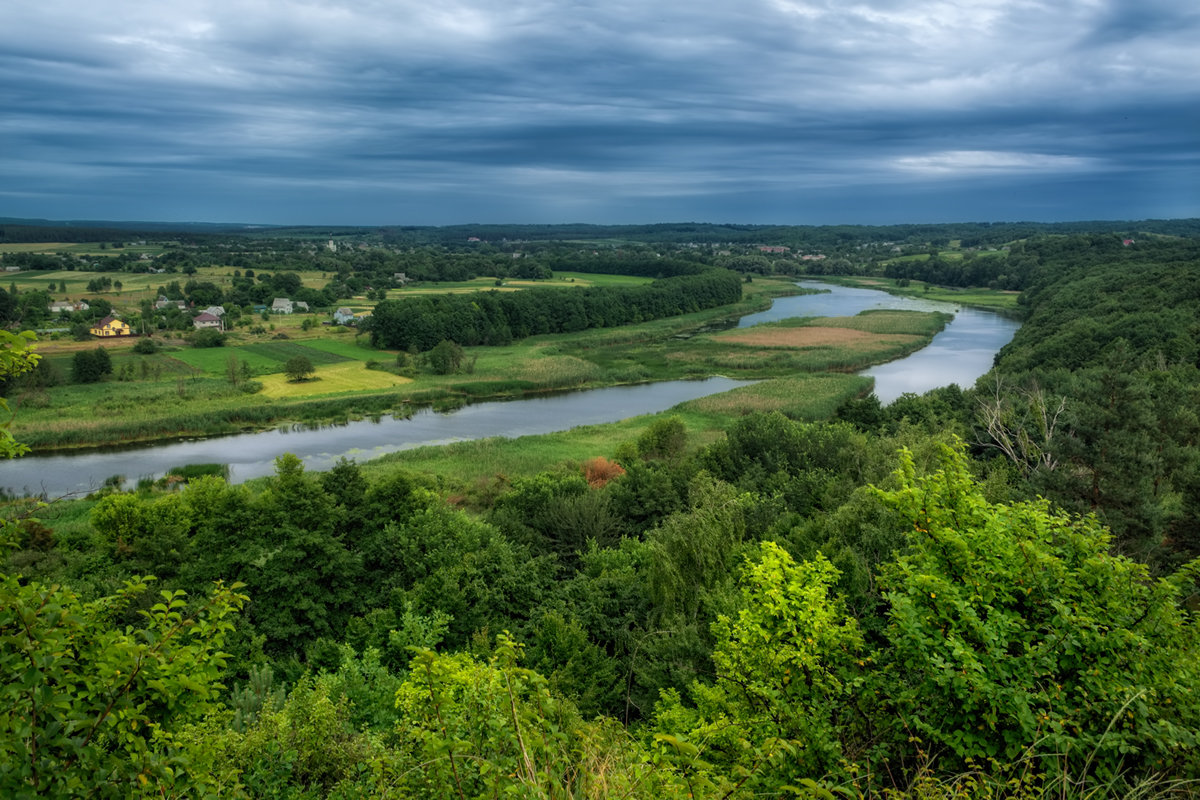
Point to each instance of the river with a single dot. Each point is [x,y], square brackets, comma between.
[959,354]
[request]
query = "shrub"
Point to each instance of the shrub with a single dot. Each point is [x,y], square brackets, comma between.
[600,471]
[90,366]
[208,338]
[298,368]
[1015,628]
[445,358]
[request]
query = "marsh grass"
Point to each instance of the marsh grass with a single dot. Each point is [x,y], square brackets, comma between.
[560,371]
[806,397]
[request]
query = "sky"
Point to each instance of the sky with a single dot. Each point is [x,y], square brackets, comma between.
[398,112]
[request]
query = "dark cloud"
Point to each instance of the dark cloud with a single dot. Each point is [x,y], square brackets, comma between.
[768,110]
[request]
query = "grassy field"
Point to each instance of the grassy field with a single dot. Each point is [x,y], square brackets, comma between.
[343,378]
[485,284]
[993,300]
[79,248]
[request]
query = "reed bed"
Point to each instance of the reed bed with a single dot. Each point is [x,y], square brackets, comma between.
[807,397]
[560,371]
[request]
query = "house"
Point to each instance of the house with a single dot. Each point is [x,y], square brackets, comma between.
[110,326]
[299,305]
[68,306]
[343,316]
[216,311]
[206,320]
[163,302]
[281,305]
[400,278]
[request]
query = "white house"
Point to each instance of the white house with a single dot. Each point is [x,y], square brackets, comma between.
[206,320]
[165,303]
[281,305]
[68,306]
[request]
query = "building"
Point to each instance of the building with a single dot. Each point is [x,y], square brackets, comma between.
[206,320]
[281,305]
[163,302]
[67,306]
[110,326]
[343,316]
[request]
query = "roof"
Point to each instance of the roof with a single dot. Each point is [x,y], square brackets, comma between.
[206,317]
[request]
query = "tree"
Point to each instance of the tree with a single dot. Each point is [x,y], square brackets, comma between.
[446,357]
[89,706]
[787,666]
[16,357]
[1014,631]
[90,366]
[298,368]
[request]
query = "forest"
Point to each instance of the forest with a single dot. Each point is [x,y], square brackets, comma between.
[984,591]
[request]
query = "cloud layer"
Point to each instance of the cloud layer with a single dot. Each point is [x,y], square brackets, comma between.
[378,112]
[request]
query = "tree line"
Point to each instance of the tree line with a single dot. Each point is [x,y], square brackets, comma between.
[497,318]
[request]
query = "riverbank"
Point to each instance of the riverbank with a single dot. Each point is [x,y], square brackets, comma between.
[994,300]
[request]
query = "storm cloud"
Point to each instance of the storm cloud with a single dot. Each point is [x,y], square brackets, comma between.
[759,111]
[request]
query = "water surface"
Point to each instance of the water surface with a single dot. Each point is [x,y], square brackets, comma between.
[252,455]
[961,353]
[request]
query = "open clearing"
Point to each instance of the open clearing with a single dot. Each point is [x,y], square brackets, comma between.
[344,377]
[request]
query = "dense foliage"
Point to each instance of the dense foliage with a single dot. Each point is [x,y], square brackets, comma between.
[499,318]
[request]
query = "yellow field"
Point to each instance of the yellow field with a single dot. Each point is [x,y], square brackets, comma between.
[348,377]
[808,337]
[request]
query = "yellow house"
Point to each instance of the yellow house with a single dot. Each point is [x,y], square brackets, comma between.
[110,326]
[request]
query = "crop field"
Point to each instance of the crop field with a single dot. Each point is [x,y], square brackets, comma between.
[348,376]
[282,351]
[349,349]
[807,337]
[78,248]
[215,360]
[487,284]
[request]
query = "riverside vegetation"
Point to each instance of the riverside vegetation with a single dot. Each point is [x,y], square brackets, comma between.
[979,592]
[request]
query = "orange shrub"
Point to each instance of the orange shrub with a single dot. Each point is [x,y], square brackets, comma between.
[600,471]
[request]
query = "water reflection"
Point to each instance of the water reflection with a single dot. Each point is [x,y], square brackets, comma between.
[962,352]
[252,455]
